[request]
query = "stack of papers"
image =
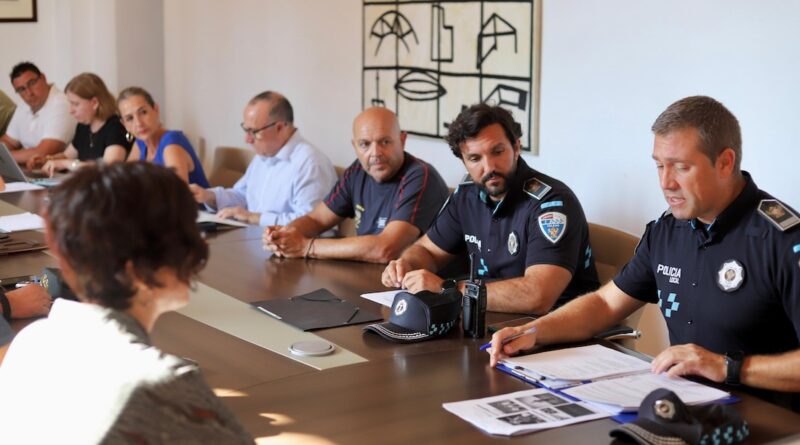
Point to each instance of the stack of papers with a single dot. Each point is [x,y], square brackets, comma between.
[21,221]
[523,412]
[610,379]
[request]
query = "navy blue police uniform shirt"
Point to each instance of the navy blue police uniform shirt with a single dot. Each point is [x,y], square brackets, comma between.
[415,194]
[539,221]
[732,286]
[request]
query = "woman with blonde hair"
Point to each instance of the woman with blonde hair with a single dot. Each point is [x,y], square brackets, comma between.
[99,134]
[154,143]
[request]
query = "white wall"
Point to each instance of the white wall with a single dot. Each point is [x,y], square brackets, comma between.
[608,68]
[122,41]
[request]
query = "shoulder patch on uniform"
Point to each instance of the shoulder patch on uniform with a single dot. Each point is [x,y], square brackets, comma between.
[553,225]
[536,188]
[778,214]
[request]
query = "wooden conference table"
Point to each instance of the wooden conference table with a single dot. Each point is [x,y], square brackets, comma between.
[395,396]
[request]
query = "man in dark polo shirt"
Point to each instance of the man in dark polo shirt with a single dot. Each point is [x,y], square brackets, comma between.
[526,230]
[392,196]
[723,264]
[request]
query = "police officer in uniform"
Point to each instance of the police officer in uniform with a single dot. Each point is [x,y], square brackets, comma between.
[526,230]
[723,264]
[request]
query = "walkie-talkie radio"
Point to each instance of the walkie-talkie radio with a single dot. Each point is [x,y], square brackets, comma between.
[474,304]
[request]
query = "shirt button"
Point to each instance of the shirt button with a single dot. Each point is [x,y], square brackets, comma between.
[494,219]
[689,322]
[694,284]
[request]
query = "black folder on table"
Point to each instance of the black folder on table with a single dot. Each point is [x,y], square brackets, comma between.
[319,309]
[24,241]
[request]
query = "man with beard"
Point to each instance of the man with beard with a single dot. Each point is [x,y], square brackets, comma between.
[526,230]
[392,196]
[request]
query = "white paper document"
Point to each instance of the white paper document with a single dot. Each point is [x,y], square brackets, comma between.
[609,379]
[203,216]
[385,298]
[20,187]
[523,412]
[625,394]
[21,221]
[579,364]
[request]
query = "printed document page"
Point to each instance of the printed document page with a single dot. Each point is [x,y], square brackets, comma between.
[203,216]
[523,412]
[626,393]
[20,187]
[385,298]
[21,221]
[580,364]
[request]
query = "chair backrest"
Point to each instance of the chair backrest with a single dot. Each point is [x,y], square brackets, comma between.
[612,249]
[348,225]
[230,164]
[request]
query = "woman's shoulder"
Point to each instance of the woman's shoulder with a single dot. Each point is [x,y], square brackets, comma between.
[175,137]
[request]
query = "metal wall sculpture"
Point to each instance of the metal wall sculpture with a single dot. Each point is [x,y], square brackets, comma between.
[427,60]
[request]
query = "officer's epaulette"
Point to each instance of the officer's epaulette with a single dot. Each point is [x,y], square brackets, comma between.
[778,214]
[535,188]
[466,180]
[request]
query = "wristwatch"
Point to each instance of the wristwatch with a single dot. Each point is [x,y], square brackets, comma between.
[733,362]
[449,284]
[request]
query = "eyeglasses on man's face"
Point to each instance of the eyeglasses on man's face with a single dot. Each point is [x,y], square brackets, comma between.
[255,133]
[28,85]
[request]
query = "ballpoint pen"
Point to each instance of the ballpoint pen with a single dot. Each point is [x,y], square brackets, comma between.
[530,330]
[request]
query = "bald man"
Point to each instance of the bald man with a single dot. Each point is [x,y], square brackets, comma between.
[393,197]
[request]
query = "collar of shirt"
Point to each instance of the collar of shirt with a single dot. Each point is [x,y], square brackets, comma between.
[285,153]
[732,214]
[53,91]
[515,188]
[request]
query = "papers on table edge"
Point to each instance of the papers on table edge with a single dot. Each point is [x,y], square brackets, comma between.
[523,412]
[203,216]
[610,379]
[20,187]
[385,298]
[20,222]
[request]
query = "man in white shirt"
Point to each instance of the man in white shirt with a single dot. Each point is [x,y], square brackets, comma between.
[287,178]
[45,127]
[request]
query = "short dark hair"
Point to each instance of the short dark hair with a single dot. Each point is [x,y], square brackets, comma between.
[477,117]
[99,221]
[281,108]
[23,67]
[717,126]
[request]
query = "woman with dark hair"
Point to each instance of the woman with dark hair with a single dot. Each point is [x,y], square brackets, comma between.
[154,143]
[88,371]
[99,134]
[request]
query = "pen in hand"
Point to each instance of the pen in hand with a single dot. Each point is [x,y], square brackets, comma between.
[530,330]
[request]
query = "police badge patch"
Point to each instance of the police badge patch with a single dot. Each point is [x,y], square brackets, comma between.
[730,276]
[513,243]
[400,307]
[553,225]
